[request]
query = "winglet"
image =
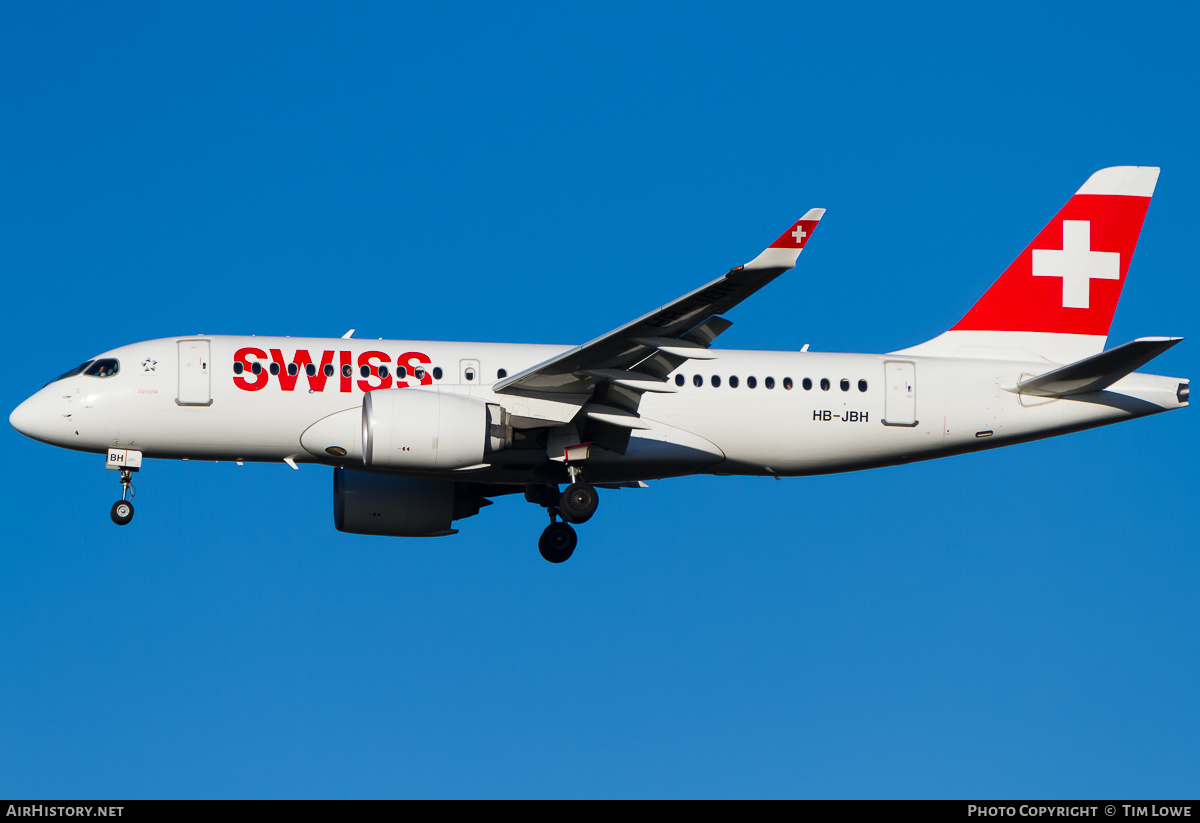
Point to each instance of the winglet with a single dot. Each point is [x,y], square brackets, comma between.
[783,252]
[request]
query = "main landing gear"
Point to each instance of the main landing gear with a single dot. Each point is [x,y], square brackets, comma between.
[576,505]
[557,542]
[122,510]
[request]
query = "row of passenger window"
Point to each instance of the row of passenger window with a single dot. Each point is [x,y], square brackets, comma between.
[347,370]
[769,382]
[402,372]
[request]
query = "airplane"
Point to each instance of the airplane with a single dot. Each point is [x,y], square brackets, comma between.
[421,434]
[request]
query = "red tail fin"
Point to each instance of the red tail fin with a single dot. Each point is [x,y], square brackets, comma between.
[1057,299]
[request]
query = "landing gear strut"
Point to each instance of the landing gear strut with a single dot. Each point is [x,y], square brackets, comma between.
[122,510]
[558,540]
[126,461]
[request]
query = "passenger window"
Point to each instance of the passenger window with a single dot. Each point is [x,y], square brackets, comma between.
[807,384]
[716,381]
[437,372]
[419,373]
[274,368]
[751,382]
[238,368]
[862,385]
[769,382]
[310,370]
[293,369]
[679,380]
[328,370]
[787,383]
[501,374]
[733,381]
[401,372]
[347,370]
[365,371]
[256,367]
[824,384]
[383,371]
[697,381]
[469,374]
[845,384]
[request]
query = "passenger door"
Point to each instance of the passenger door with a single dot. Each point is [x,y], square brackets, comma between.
[195,379]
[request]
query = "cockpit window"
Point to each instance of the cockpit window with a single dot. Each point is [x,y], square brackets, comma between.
[77,370]
[103,368]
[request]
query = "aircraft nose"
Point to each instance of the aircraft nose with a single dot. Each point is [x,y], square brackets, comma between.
[33,419]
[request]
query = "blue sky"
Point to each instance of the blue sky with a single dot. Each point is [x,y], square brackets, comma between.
[1020,623]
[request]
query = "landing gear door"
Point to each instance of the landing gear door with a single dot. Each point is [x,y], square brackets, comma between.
[900,382]
[195,373]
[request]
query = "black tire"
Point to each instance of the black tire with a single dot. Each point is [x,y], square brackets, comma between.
[557,542]
[122,512]
[578,503]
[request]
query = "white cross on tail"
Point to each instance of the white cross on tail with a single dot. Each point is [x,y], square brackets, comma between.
[1077,264]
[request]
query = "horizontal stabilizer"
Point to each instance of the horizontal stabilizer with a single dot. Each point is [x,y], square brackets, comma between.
[1097,372]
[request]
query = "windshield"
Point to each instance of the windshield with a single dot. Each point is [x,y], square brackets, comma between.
[105,367]
[77,370]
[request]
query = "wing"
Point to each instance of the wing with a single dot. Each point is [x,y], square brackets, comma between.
[608,375]
[681,330]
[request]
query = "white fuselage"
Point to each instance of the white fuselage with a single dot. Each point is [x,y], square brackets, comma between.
[181,398]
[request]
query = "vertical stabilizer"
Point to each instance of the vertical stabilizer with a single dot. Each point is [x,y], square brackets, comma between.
[1056,301]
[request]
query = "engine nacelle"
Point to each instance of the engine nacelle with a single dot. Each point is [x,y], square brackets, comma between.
[383,504]
[429,430]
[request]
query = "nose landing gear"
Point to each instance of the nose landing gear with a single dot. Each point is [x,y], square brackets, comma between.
[122,510]
[126,461]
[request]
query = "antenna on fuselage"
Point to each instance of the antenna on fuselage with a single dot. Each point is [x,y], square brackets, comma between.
[348,335]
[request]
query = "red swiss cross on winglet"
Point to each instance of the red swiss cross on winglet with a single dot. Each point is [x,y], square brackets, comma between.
[783,252]
[796,236]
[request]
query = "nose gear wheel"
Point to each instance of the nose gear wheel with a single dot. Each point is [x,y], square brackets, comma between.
[122,511]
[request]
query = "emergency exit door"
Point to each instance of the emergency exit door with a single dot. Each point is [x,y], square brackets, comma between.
[468,372]
[195,380]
